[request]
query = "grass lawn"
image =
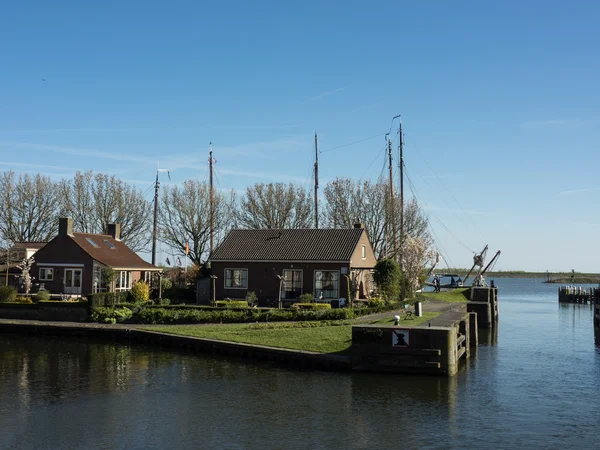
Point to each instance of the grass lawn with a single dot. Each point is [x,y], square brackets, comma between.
[332,338]
[453,295]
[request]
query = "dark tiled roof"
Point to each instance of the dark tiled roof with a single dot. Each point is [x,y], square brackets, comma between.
[120,257]
[307,244]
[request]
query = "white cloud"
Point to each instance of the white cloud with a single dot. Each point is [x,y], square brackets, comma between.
[579,191]
[560,122]
[120,156]
[325,94]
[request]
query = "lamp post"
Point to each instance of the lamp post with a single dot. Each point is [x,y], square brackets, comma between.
[214,293]
[280,283]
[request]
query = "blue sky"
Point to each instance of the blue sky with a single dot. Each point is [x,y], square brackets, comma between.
[499,103]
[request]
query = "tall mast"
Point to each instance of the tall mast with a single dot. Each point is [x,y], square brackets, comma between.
[155,227]
[212,216]
[400,145]
[392,215]
[316,182]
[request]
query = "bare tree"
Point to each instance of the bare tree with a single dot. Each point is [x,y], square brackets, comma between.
[276,206]
[348,201]
[185,218]
[29,207]
[96,200]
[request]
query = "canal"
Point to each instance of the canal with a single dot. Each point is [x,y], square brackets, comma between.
[534,385]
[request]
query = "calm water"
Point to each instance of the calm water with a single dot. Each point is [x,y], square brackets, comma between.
[536,386]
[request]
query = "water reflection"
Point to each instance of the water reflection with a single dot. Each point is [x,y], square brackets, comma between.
[523,386]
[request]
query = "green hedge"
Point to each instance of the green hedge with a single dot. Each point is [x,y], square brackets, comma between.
[232,304]
[177,314]
[108,298]
[188,315]
[111,315]
[312,305]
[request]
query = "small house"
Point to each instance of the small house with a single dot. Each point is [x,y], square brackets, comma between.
[77,264]
[320,262]
[10,274]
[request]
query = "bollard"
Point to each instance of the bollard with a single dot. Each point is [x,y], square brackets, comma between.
[396,320]
[419,309]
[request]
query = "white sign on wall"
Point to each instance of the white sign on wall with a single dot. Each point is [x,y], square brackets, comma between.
[400,338]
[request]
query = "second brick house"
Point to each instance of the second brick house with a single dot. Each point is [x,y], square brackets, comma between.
[310,261]
[75,263]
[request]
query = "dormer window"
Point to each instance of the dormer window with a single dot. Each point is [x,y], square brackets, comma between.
[91,241]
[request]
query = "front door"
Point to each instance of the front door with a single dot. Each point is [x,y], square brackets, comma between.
[292,284]
[73,281]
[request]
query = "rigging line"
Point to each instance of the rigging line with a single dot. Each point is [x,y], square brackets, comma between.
[437,241]
[351,143]
[449,192]
[372,162]
[413,190]
[444,200]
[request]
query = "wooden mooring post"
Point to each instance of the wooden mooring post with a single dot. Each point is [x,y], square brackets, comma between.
[576,294]
[596,300]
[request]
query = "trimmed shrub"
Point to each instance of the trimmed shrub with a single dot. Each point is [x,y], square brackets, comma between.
[232,304]
[165,284]
[387,278]
[8,294]
[165,301]
[140,292]
[251,298]
[311,306]
[41,295]
[375,302]
[111,315]
[306,298]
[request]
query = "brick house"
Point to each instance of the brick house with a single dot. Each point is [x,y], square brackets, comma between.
[310,261]
[73,263]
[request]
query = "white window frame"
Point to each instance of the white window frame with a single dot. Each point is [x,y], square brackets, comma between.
[231,278]
[283,284]
[98,282]
[128,276]
[364,252]
[46,271]
[318,291]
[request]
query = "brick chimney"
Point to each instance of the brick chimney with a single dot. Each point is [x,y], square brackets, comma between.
[65,226]
[114,230]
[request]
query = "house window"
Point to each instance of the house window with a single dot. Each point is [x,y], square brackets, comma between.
[236,278]
[292,284]
[110,244]
[364,252]
[46,274]
[99,282]
[91,241]
[327,284]
[124,280]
